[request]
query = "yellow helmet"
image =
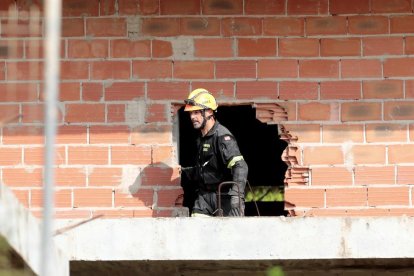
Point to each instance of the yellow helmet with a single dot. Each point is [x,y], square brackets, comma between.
[200,99]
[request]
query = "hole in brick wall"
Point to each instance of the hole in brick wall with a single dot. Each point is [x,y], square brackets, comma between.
[261,148]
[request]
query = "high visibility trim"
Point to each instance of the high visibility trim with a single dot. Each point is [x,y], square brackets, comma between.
[234,160]
[199,215]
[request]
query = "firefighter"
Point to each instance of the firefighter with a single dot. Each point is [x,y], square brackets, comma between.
[218,160]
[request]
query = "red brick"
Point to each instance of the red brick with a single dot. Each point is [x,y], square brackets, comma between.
[162,27]
[109,134]
[81,113]
[343,133]
[368,24]
[10,156]
[367,154]
[144,197]
[87,155]
[236,69]
[18,92]
[241,26]
[21,27]
[193,70]
[284,26]
[156,113]
[69,91]
[340,90]
[378,46]
[138,7]
[316,111]
[361,68]
[361,111]
[22,195]
[383,89]
[62,198]
[116,113]
[107,7]
[101,70]
[92,198]
[167,90]
[152,69]
[386,133]
[32,70]
[74,70]
[388,196]
[277,68]
[2,70]
[72,177]
[398,154]
[402,24]
[346,197]
[168,7]
[114,213]
[399,67]
[145,213]
[22,177]
[92,91]
[391,6]
[66,214]
[151,134]
[170,197]
[257,47]
[122,155]
[124,91]
[268,7]
[162,154]
[293,90]
[111,177]
[87,48]
[399,110]
[405,175]
[256,90]
[307,7]
[340,47]
[9,114]
[335,25]
[411,132]
[71,134]
[6,5]
[161,49]
[72,27]
[305,133]
[409,45]
[99,27]
[200,26]
[123,48]
[34,113]
[160,176]
[35,156]
[223,7]
[409,89]
[349,6]
[326,155]
[218,89]
[23,135]
[319,68]
[298,47]
[80,8]
[34,49]
[11,49]
[305,197]
[213,47]
[331,176]
[374,175]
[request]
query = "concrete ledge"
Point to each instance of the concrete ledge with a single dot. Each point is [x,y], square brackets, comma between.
[250,238]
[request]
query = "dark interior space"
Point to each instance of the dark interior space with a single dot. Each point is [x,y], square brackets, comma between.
[260,146]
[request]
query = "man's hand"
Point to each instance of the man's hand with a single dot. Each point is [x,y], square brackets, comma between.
[235,206]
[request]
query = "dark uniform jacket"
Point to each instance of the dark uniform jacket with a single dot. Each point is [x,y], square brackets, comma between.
[219,159]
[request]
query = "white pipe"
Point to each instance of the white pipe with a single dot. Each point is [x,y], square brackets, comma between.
[53,10]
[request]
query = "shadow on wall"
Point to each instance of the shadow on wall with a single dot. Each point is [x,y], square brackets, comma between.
[156,187]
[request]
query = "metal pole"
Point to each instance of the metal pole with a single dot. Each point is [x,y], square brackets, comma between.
[53,9]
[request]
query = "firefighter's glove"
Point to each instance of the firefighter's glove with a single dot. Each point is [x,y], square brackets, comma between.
[235,206]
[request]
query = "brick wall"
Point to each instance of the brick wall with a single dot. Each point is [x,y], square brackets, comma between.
[337,76]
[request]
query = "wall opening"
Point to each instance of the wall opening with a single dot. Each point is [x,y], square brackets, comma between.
[262,149]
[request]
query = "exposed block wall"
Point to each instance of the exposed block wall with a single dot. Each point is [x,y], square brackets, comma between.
[336,76]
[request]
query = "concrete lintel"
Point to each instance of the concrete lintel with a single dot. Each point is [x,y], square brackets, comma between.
[251,238]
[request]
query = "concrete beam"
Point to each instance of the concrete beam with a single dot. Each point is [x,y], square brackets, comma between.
[250,238]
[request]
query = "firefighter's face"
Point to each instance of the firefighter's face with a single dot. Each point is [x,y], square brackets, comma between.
[197,119]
